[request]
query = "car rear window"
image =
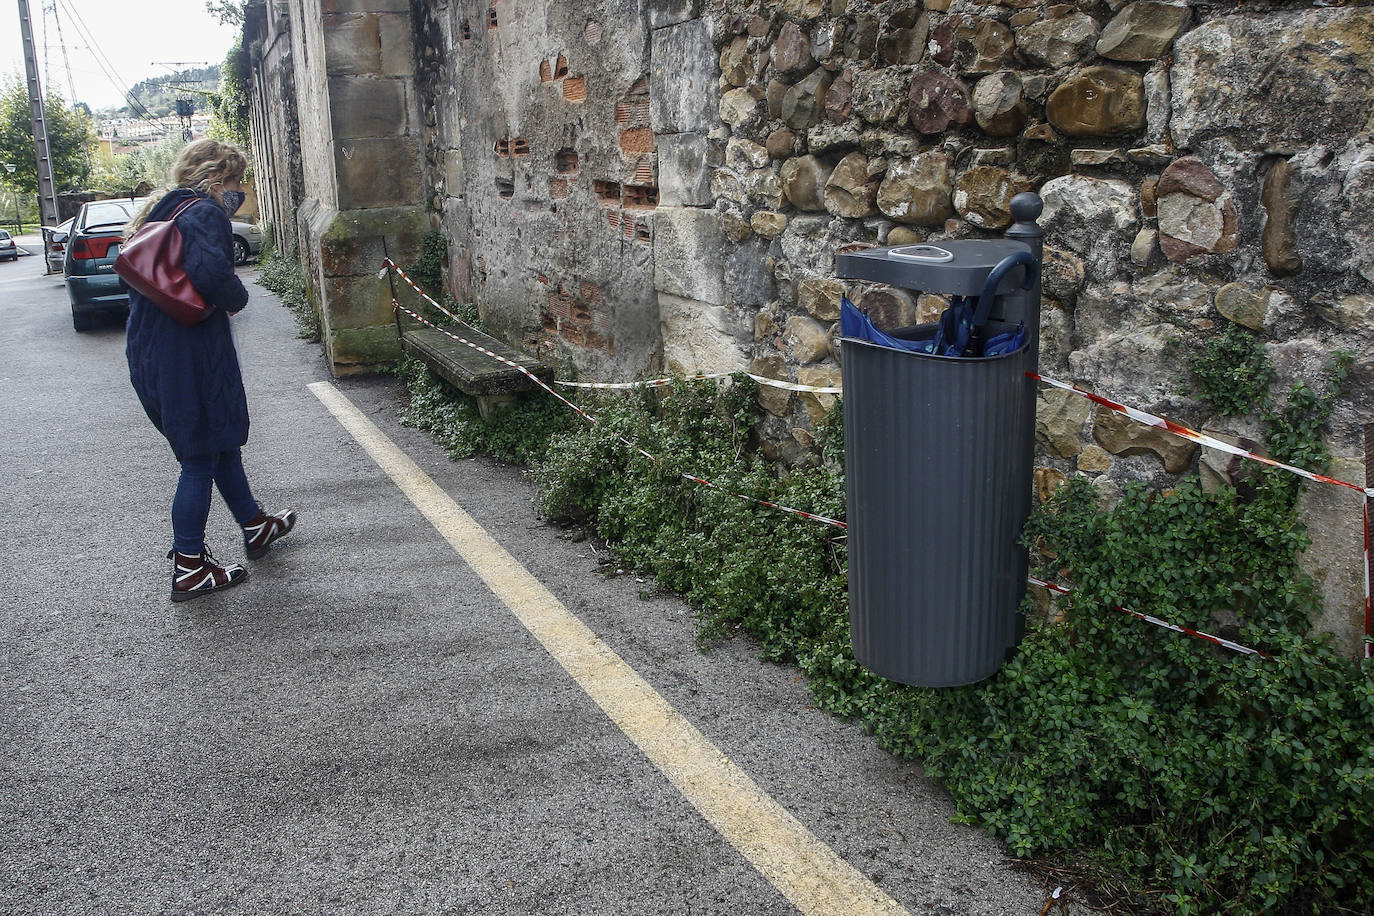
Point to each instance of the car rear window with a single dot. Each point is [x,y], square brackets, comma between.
[107,213]
[4,234]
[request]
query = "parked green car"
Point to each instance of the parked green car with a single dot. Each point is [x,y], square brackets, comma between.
[88,263]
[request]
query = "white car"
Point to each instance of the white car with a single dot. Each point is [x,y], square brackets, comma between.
[7,247]
[57,244]
[247,241]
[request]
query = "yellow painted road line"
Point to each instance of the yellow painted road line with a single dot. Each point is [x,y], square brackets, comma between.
[805,870]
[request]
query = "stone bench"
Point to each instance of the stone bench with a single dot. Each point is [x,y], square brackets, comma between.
[494,384]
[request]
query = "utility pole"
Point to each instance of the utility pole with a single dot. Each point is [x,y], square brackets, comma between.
[47,195]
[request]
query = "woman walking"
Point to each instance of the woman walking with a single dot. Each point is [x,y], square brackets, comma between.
[188,378]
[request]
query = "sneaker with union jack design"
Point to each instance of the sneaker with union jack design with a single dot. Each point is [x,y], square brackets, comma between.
[196,574]
[259,533]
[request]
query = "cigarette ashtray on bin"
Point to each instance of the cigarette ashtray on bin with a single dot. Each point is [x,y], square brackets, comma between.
[938,458]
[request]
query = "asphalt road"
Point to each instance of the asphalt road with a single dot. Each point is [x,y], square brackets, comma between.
[364,726]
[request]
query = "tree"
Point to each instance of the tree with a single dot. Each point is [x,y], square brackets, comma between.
[71,137]
[228,12]
[230,119]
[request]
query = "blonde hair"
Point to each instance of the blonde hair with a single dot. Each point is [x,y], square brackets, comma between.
[199,165]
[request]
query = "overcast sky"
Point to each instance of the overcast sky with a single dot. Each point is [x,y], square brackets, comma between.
[135,36]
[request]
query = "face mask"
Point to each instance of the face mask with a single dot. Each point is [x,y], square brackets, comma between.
[232,200]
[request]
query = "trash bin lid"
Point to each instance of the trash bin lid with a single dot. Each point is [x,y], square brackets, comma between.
[955,267]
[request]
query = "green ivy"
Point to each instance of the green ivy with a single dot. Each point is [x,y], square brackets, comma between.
[516,435]
[1208,781]
[282,275]
[1232,373]
[428,271]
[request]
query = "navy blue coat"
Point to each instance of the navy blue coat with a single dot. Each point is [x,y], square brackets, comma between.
[188,379]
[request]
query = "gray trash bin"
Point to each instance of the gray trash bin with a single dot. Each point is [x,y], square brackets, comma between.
[938,464]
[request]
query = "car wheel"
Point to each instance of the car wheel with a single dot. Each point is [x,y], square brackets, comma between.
[240,251]
[81,321]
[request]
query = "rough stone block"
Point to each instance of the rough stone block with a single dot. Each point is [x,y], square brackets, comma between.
[355,350]
[687,254]
[352,46]
[1121,435]
[685,164]
[1243,78]
[683,82]
[349,256]
[698,336]
[453,171]
[357,302]
[398,48]
[1332,516]
[670,12]
[816,403]
[377,173]
[1059,420]
[362,107]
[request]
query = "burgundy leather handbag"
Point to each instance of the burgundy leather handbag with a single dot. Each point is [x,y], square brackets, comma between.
[151,262]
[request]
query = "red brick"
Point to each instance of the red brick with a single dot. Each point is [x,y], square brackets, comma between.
[637,140]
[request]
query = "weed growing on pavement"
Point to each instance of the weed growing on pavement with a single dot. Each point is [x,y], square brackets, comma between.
[1213,782]
[282,275]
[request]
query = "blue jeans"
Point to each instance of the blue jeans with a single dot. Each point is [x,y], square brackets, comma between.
[191,505]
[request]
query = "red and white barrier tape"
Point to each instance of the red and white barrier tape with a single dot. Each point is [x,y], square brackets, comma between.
[647,383]
[1139,416]
[660,382]
[1178,429]
[389,264]
[1196,634]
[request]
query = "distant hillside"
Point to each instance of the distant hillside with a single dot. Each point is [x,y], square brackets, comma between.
[157,96]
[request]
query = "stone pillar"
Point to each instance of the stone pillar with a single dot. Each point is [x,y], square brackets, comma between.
[698,331]
[275,130]
[360,145]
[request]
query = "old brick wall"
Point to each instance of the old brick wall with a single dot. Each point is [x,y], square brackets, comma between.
[544,168]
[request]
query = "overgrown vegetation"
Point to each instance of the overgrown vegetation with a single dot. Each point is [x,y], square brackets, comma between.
[1232,373]
[428,272]
[282,275]
[516,436]
[1214,782]
[230,115]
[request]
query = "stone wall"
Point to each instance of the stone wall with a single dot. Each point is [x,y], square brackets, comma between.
[278,163]
[629,186]
[356,134]
[1199,165]
[543,162]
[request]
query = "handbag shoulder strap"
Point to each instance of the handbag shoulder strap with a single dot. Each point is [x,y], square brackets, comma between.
[183,208]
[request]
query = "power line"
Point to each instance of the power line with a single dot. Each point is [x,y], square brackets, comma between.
[138,108]
[62,43]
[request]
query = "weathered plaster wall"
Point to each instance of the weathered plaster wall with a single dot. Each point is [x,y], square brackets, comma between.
[544,168]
